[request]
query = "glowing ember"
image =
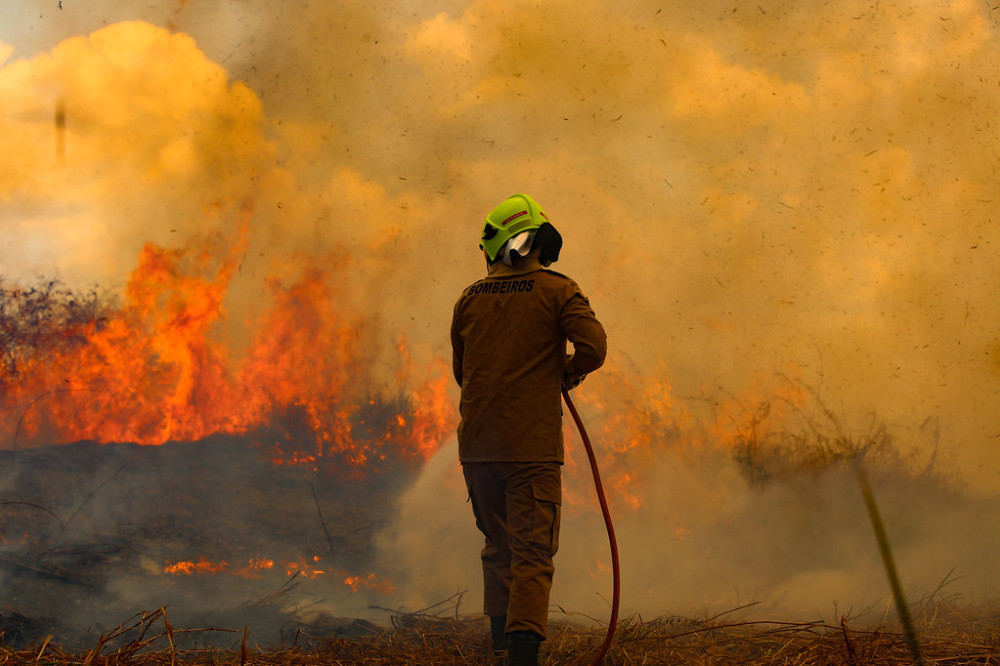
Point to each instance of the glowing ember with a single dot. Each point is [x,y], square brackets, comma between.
[303,568]
[254,567]
[202,566]
[371,582]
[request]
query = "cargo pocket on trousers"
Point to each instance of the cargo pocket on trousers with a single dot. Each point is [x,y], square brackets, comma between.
[476,515]
[545,532]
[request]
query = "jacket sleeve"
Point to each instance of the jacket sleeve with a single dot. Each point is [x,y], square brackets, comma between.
[457,346]
[590,343]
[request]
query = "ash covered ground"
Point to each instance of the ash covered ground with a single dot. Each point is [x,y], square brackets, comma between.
[89,530]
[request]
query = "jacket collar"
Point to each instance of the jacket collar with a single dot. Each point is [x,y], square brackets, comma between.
[528,264]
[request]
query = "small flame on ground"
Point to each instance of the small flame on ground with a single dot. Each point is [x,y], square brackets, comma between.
[202,566]
[304,568]
[372,582]
[255,567]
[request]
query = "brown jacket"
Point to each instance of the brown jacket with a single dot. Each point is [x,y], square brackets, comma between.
[508,336]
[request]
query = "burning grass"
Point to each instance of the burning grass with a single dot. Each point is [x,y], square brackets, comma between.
[310,375]
[949,635]
[90,526]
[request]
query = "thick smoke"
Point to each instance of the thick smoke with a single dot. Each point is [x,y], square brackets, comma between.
[706,541]
[744,190]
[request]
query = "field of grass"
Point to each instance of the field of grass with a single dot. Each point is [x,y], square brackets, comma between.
[947,634]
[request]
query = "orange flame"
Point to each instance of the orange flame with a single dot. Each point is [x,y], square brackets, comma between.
[635,425]
[303,568]
[155,371]
[202,566]
[372,582]
[255,568]
[764,409]
[635,422]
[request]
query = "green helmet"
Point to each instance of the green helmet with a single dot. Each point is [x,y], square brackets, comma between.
[516,214]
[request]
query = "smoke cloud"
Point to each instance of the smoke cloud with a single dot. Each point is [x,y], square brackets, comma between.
[706,541]
[782,189]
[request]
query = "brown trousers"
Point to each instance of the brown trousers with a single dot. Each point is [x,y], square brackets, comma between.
[516,506]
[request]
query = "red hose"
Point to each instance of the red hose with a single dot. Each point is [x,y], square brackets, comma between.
[613,622]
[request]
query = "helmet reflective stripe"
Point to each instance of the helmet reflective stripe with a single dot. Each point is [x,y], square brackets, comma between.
[514,215]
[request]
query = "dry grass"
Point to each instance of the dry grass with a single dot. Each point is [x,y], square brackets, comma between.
[949,636]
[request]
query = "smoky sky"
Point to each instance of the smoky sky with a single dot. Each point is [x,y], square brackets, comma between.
[804,190]
[784,187]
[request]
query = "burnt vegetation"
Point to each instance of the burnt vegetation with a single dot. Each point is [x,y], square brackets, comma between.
[812,438]
[38,319]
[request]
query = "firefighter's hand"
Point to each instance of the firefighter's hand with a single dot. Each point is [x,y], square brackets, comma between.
[570,382]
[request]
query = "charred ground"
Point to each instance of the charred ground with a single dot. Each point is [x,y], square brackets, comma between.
[88,530]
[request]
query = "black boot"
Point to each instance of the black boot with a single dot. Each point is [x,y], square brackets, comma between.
[522,648]
[498,625]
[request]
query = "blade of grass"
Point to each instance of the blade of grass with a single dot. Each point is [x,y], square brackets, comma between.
[890,565]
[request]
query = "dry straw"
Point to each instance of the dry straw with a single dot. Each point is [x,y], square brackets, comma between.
[951,636]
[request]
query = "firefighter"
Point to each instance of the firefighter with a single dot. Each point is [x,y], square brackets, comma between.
[509,338]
